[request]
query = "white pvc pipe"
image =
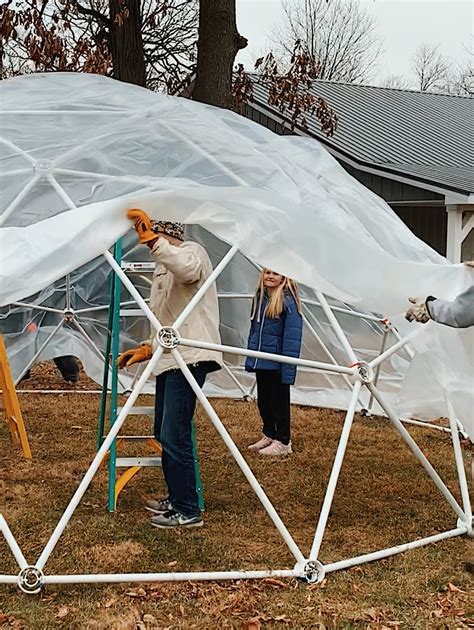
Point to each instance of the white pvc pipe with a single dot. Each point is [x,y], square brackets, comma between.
[21,195]
[75,322]
[336,469]
[339,369]
[132,290]
[39,307]
[11,542]
[459,462]
[167,577]
[234,378]
[407,349]
[391,551]
[205,286]
[415,449]
[117,178]
[114,430]
[16,148]
[395,348]
[172,129]
[38,352]
[426,425]
[347,311]
[378,368]
[18,171]
[8,579]
[325,350]
[242,464]
[90,309]
[337,327]
[64,196]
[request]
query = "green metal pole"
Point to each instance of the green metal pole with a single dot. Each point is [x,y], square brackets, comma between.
[105,380]
[114,385]
[197,471]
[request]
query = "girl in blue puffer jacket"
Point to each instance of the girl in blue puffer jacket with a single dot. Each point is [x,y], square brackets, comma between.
[275,327]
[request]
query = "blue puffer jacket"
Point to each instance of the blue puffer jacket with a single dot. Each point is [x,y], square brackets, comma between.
[278,336]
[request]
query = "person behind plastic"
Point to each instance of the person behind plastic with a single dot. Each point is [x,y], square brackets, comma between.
[458,313]
[275,327]
[182,267]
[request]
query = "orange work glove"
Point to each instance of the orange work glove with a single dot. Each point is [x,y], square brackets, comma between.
[134,355]
[142,225]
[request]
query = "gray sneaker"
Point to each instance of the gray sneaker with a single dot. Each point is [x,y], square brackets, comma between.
[158,507]
[175,519]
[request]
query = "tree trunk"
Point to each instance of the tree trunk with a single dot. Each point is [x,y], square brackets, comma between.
[125,41]
[218,44]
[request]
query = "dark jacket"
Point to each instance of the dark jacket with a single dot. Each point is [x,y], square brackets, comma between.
[277,336]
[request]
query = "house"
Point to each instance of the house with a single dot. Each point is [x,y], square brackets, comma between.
[413,149]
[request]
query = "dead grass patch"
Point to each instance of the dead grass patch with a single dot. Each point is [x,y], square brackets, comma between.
[383,498]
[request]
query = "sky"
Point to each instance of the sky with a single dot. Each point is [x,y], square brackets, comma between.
[401,24]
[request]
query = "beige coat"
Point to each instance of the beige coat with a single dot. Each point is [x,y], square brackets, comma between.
[180,272]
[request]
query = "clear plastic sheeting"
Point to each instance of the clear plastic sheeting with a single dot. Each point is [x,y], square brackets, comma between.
[78,150]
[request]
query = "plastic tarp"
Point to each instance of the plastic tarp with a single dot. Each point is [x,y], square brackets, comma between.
[78,150]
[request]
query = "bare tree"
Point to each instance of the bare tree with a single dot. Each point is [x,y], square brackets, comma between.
[338,35]
[430,68]
[395,82]
[146,42]
[153,43]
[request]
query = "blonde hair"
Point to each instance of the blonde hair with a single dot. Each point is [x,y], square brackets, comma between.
[276,301]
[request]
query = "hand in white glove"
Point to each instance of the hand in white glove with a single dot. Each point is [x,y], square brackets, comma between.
[418,312]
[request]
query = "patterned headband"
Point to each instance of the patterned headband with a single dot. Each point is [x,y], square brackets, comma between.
[170,228]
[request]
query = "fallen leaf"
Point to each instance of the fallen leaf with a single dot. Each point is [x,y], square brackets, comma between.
[136,592]
[275,583]
[454,589]
[149,619]
[63,612]
[252,624]
[173,563]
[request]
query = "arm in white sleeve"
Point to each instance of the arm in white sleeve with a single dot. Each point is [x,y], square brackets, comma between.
[184,262]
[459,313]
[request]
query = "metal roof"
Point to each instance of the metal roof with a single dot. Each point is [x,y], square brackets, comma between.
[424,137]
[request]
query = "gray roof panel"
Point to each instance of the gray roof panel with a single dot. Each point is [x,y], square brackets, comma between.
[425,136]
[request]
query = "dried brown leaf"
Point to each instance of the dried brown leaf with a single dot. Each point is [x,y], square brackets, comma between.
[63,612]
[454,589]
[275,583]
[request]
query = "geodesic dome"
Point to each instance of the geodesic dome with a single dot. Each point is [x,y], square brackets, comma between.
[79,150]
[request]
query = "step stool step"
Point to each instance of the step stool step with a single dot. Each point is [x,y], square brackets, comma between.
[128,462]
[139,411]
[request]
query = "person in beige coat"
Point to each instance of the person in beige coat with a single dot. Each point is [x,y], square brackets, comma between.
[182,267]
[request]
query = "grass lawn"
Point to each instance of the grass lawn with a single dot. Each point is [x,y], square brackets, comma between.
[384,497]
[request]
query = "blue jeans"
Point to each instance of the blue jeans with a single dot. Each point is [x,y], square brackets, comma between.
[175,403]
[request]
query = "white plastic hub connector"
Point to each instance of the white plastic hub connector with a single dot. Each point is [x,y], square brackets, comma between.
[43,168]
[311,571]
[364,373]
[30,580]
[168,337]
